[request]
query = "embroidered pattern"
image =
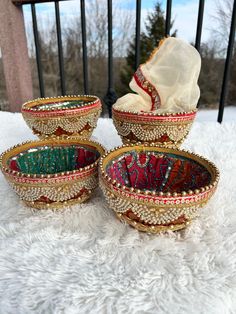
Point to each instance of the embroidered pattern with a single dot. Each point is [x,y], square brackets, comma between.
[160,173]
[148,88]
[74,124]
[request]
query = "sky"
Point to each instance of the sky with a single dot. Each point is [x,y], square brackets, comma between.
[184,14]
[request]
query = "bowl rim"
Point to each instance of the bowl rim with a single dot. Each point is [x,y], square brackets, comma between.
[29,106]
[125,190]
[44,178]
[189,115]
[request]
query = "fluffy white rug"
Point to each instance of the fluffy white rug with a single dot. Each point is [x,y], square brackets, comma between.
[83,260]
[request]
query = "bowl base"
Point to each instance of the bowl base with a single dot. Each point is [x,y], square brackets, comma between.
[79,135]
[166,130]
[152,228]
[169,144]
[57,205]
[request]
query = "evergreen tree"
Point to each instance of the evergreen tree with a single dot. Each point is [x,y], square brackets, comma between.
[149,40]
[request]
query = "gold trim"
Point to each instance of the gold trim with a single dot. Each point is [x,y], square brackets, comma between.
[55,192]
[152,114]
[148,212]
[156,49]
[122,193]
[152,228]
[132,130]
[29,105]
[74,124]
[57,205]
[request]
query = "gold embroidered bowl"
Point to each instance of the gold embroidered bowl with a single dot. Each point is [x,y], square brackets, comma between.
[156,189]
[62,116]
[52,173]
[167,130]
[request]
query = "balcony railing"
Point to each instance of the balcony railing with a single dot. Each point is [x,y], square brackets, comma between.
[110,96]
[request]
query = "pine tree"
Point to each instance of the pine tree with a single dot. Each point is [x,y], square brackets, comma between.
[149,40]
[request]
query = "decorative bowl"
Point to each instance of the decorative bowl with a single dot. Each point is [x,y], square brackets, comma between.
[62,116]
[166,130]
[156,189]
[52,173]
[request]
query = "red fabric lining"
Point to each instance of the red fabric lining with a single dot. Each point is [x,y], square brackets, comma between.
[168,173]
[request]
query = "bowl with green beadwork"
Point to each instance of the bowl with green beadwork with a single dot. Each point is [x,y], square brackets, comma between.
[156,189]
[52,173]
[62,116]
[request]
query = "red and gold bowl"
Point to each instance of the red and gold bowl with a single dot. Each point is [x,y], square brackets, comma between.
[165,130]
[62,116]
[52,173]
[156,189]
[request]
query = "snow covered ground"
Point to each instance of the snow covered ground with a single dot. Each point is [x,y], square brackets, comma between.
[211,114]
[84,260]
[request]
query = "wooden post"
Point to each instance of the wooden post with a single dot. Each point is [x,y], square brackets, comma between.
[16,63]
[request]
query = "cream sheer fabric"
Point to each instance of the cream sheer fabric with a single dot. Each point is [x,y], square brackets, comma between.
[173,70]
[132,102]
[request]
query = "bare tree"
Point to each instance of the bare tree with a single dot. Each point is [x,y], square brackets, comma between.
[211,74]
[222,19]
[97,47]
[213,53]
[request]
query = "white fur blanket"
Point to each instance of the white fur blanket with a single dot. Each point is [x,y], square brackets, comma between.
[83,260]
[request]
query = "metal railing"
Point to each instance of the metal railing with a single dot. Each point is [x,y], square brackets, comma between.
[110,96]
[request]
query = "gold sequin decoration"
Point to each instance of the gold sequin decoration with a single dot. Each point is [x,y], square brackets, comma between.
[150,214]
[73,124]
[151,132]
[56,193]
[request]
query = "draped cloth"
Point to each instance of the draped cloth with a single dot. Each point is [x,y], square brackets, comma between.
[167,82]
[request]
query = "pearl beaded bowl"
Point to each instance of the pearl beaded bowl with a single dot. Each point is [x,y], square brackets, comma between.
[156,189]
[52,173]
[167,130]
[62,116]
